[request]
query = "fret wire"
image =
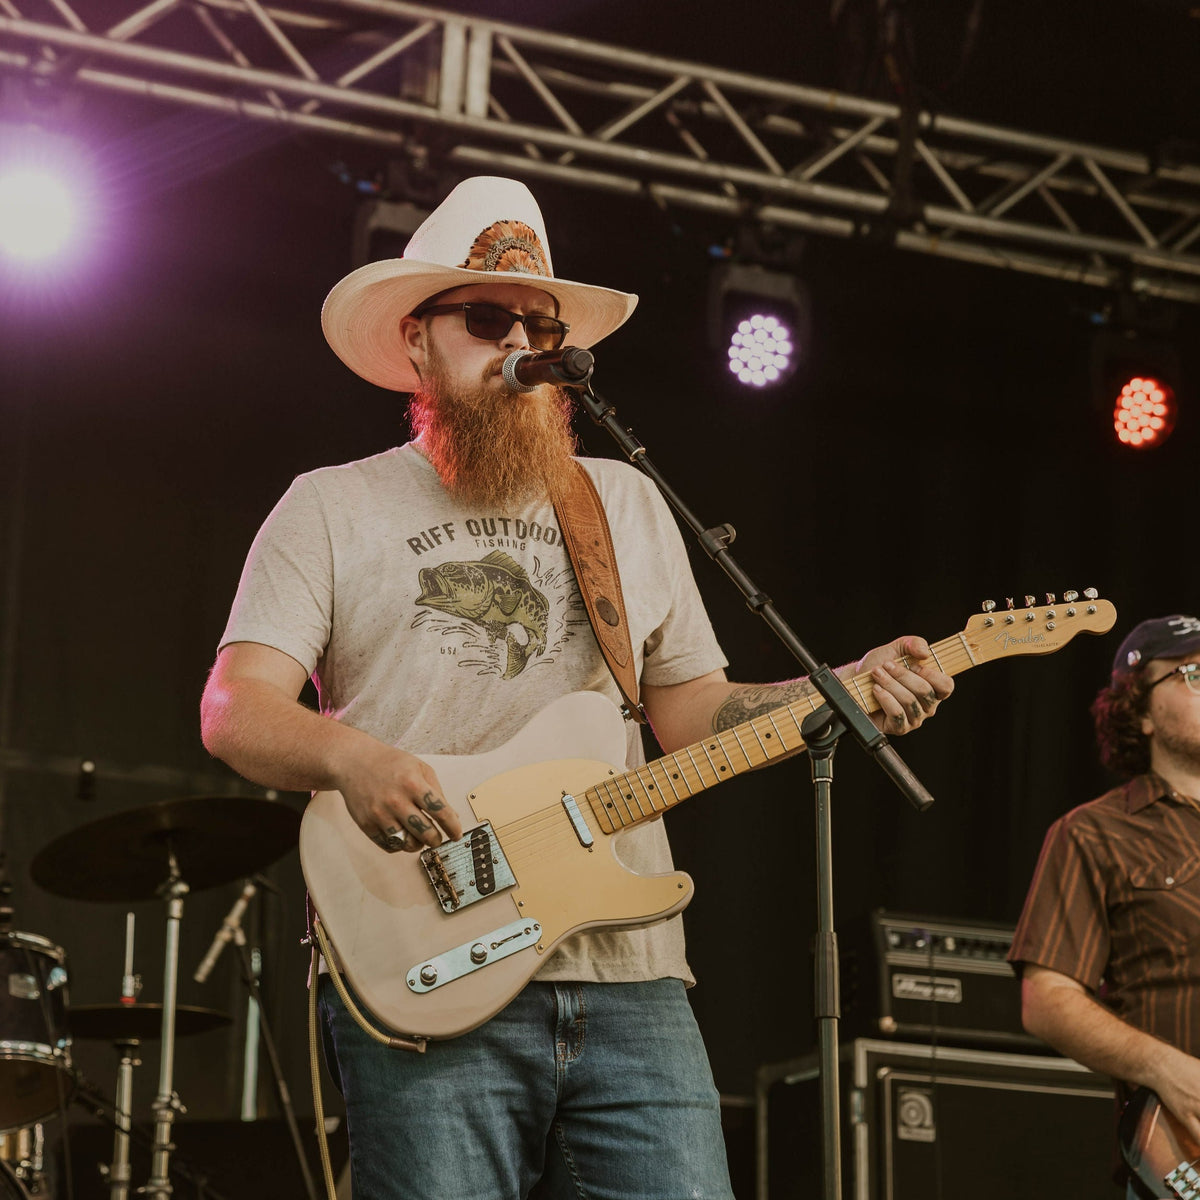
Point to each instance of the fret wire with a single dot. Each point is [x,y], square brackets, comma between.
[753,727]
[638,776]
[695,766]
[658,762]
[620,780]
[782,739]
[600,812]
[799,727]
[671,781]
[614,786]
[749,764]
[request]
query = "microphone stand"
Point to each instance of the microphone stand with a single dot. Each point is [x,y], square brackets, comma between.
[821,731]
[234,927]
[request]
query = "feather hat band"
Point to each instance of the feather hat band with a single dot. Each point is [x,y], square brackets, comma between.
[488,230]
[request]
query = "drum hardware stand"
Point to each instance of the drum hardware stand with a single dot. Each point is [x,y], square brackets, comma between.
[166,1103]
[119,1172]
[30,1148]
[93,1101]
[845,713]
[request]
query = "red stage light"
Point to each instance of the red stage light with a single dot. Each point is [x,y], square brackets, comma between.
[1145,412]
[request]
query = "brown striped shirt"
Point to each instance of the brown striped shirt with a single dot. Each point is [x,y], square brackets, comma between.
[1115,904]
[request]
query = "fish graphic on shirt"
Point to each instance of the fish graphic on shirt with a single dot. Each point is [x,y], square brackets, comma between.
[496,594]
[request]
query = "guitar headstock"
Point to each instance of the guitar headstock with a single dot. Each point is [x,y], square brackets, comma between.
[1035,629]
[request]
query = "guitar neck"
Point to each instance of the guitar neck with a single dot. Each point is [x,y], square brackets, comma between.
[649,791]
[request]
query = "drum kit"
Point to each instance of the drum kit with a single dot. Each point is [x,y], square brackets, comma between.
[164,851]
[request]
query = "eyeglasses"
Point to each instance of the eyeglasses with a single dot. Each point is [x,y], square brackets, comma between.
[1190,673]
[491,322]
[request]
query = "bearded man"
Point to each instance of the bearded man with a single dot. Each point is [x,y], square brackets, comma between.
[428,594]
[1108,945]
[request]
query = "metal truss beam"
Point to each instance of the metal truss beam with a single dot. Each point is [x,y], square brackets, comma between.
[496,96]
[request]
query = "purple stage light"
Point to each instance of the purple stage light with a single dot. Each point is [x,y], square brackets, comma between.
[38,215]
[760,350]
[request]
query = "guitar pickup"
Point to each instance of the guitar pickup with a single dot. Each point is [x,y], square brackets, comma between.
[470,868]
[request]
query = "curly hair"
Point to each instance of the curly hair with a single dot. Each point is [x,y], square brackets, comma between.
[1117,711]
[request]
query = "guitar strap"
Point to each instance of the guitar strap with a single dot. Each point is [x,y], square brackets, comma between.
[589,546]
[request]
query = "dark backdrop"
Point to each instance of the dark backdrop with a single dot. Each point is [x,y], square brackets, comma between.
[940,446]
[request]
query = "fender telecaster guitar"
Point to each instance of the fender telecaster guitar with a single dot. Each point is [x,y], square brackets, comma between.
[435,943]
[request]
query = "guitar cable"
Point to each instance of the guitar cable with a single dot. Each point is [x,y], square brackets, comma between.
[320,948]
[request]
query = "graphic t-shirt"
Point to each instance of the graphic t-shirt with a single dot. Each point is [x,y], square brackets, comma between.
[444,629]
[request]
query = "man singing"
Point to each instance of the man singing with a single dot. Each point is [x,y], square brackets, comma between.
[428,594]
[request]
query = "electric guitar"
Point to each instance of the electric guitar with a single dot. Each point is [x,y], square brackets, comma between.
[436,942]
[1159,1152]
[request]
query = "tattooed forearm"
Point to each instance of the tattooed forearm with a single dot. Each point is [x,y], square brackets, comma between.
[746,703]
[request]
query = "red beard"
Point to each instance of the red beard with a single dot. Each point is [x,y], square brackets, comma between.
[491,447]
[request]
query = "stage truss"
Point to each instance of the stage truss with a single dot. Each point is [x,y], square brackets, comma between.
[496,97]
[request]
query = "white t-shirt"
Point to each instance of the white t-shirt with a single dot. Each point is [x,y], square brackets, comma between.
[443,629]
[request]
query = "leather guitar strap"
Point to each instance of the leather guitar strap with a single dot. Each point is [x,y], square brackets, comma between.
[589,546]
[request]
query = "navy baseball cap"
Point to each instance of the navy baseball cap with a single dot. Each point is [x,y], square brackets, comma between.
[1159,637]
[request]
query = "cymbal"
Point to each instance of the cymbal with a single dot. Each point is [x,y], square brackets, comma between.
[127,1022]
[125,856]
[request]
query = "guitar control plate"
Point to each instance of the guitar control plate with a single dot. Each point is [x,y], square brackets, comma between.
[470,956]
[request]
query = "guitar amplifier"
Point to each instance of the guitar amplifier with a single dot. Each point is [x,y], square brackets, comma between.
[932,979]
[921,1121]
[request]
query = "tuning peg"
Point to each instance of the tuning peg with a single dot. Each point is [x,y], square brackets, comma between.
[1090,593]
[1049,597]
[1009,599]
[1070,597]
[989,606]
[1030,601]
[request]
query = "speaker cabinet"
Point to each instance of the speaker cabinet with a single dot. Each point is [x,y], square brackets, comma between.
[920,1121]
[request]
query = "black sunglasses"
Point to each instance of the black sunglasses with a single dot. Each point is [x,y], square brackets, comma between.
[491,322]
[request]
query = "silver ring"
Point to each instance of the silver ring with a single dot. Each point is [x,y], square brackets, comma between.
[396,839]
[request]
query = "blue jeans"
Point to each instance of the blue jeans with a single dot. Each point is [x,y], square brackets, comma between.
[574,1090]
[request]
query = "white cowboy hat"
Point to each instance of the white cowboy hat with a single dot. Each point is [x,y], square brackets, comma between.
[488,230]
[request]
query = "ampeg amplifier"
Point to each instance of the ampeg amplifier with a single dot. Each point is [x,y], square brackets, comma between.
[931,978]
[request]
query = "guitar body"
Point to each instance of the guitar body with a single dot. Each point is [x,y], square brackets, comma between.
[1157,1150]
[382,913]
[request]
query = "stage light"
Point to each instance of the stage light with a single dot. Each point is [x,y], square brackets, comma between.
[37,213]
[761,350]
[759,321]
[1136,372]
[1145,412]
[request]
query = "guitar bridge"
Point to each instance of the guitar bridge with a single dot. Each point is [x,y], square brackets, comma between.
[1184,1181]
[470,868]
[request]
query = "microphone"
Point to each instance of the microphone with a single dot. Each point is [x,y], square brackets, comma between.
[569,366]
[230,927]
